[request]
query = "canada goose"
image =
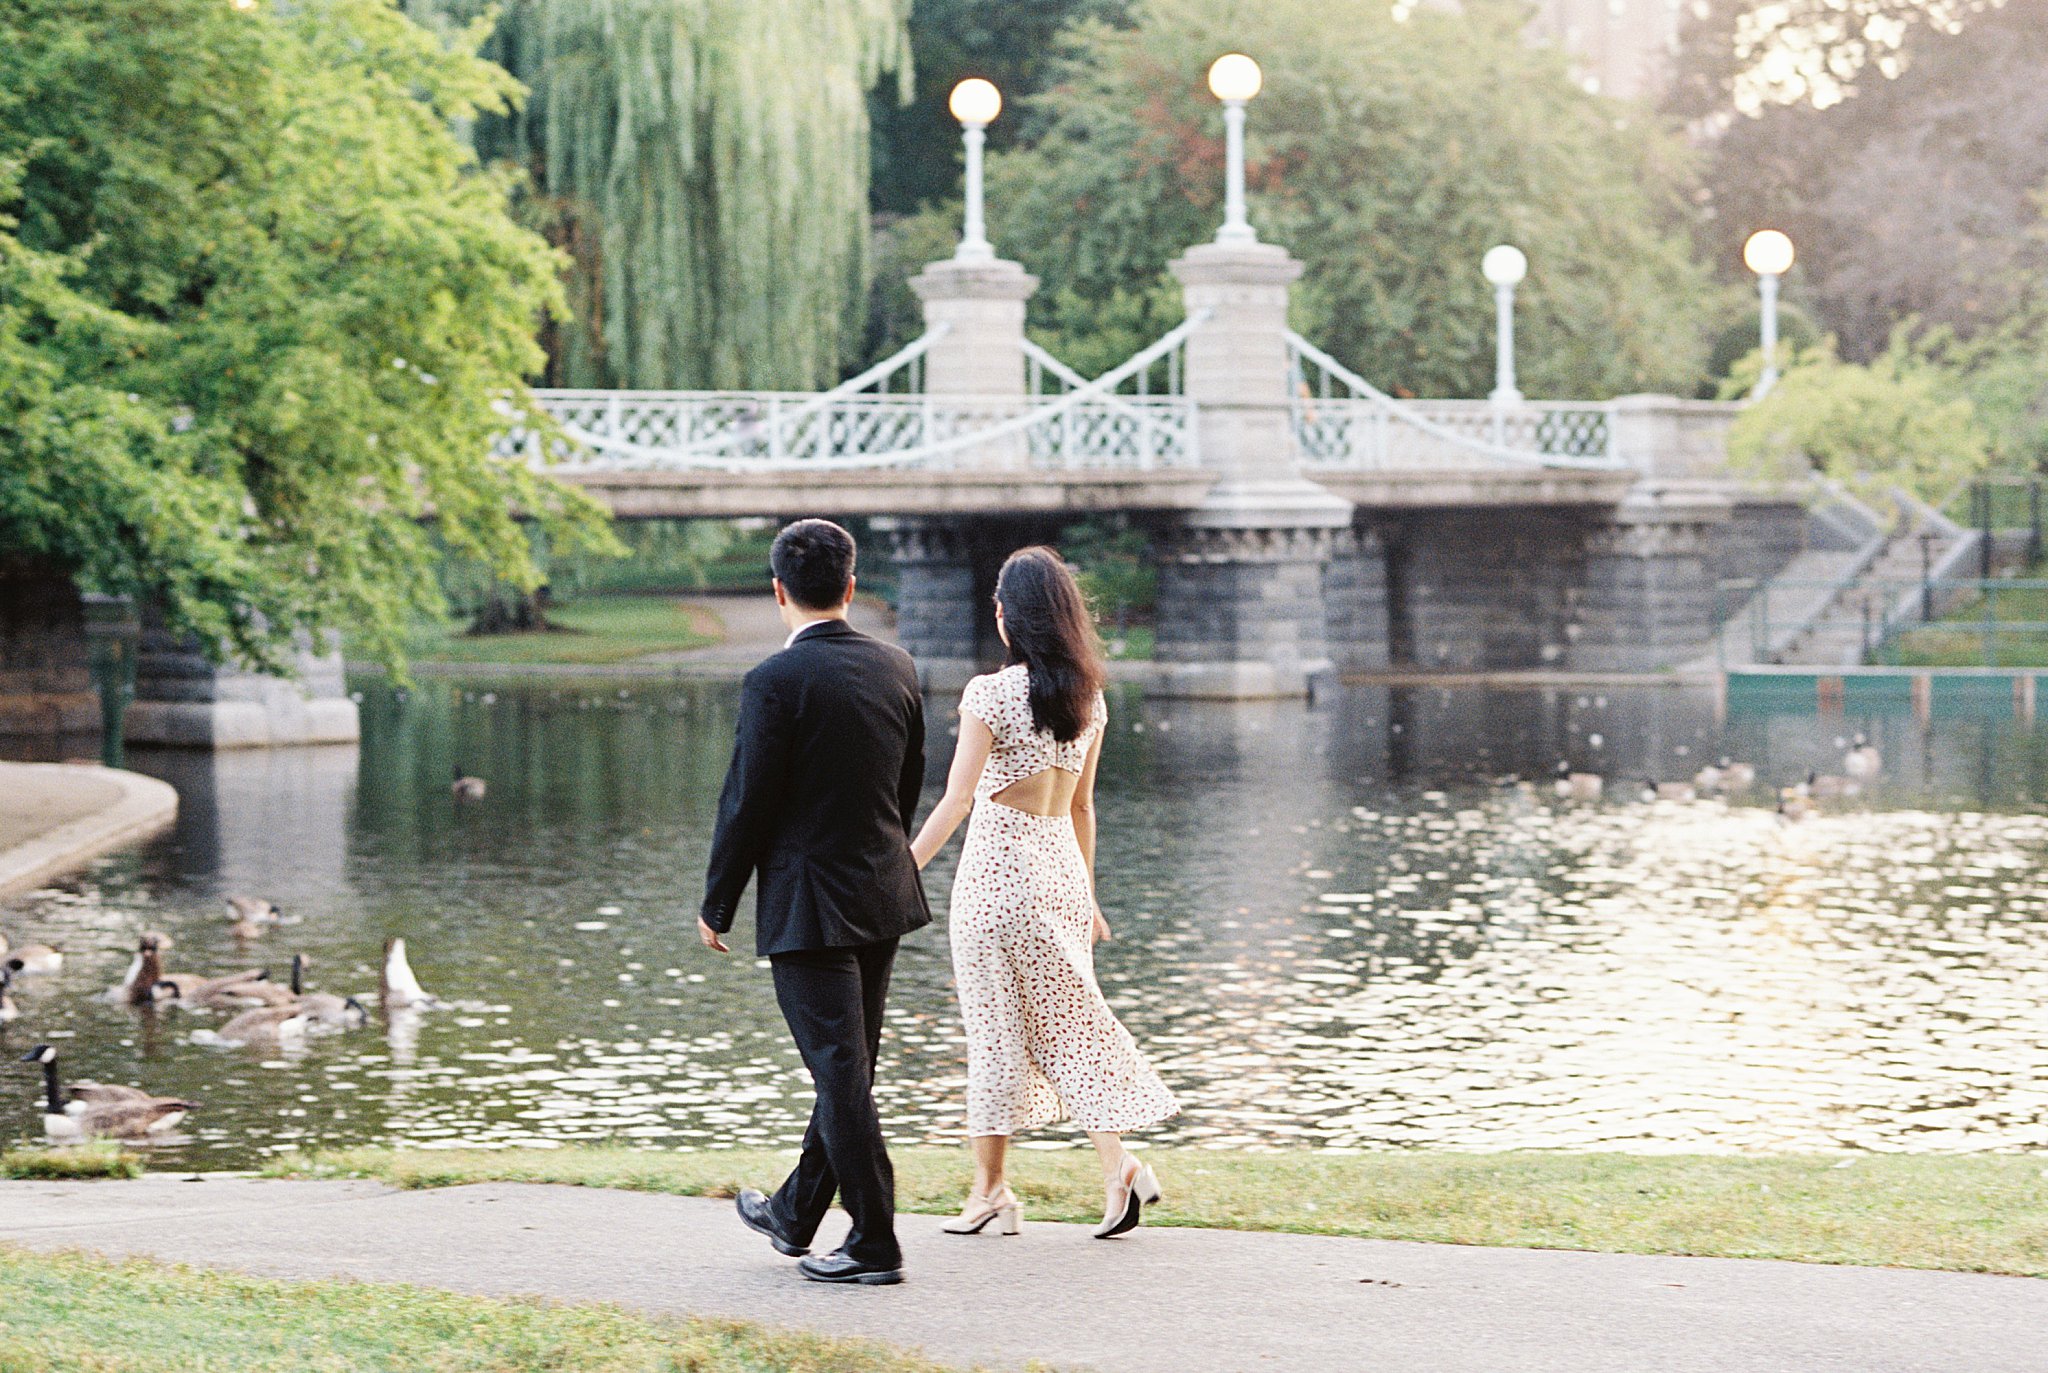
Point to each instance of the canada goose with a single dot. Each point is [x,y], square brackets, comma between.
[145,968]
[1736,777]
[149,982]
[8,1010]
[1668,791]
[32,960]
[1576,786]
[466,788]
[399,987]
[255,909]
[1709,779]
[1823,787]
[252,915]
[102,1112]
[1862,762]
[1792,808]
[263,1025]
[325,1008]
[217,993]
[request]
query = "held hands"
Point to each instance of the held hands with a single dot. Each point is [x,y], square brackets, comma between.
[711,940]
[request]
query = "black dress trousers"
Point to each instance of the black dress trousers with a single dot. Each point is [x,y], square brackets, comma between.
[832,999]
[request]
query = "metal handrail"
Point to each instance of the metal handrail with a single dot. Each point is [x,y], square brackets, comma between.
[1400,410]
[1094,390]
[845,390]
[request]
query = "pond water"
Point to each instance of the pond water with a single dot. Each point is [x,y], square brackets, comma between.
[1337,925]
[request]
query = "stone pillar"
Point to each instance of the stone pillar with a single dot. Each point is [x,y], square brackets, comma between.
[45,677]
[1647,600]
[1355,594]
[1669,438]
[982,305]
[941,604]
[182,698]
[943,578]
[1241,597]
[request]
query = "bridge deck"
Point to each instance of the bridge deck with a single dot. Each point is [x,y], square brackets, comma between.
[912,491]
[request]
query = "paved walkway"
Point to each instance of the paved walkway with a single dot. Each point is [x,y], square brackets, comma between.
[56,816]
[1163,1301]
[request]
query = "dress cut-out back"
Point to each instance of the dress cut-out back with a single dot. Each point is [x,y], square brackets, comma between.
[1002,701]
[1040,1036]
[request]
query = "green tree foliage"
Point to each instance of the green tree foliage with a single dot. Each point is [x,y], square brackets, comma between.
[1115,568]
[1747,55]
[1388,157]
[1902,420]
[1915,196]
[705,164]
[917,144]
[259,313]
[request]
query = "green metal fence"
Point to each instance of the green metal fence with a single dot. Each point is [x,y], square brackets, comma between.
[1987,622]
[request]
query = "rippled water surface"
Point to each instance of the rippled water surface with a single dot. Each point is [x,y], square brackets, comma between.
[1336,926]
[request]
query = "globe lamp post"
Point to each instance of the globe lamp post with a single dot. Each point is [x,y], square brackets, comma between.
[975,103]
[1769,254]
[1234,79]
[1504,266]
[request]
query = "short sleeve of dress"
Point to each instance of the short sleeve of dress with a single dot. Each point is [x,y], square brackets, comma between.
[979,701]
[1098,718]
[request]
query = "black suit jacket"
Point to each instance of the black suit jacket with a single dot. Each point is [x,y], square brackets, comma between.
[824,783]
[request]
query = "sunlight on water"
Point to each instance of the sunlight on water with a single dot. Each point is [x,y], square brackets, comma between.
[1342,927]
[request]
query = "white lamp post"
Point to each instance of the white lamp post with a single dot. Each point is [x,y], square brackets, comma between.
[1504,265]
[1769,254]
[1234,79]
[975,103]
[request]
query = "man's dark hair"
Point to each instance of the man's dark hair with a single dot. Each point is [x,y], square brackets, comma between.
[813,559]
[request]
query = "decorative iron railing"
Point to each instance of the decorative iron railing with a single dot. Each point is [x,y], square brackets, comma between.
[1088,426]
[737,431]
[1343,420]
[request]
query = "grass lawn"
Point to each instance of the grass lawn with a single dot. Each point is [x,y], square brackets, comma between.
[589,630]
[1976,1213]
[1958,640]
[71,1313]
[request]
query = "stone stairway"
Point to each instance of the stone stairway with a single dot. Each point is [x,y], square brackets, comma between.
[1830,607]
[1852,619]
[1781,609]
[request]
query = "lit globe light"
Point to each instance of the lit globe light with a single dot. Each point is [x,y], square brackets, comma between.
[1234,76]
[244,5]
[1504,264]
[1768,253]
[975,101]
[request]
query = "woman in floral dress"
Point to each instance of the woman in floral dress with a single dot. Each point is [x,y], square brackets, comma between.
[1042,1042]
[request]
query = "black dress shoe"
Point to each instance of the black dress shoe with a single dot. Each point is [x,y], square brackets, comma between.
[839,1266]
[753,1209]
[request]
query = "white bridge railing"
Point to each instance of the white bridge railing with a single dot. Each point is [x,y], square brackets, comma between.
[1340,420]
[1088,426]
[1362,426]
[767,430]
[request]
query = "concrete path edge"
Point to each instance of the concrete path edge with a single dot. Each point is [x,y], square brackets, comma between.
[142,808]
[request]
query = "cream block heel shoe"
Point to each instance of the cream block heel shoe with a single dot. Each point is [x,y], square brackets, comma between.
[1135,1189]
[1003,1208]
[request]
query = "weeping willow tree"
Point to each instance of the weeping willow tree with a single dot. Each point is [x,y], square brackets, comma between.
[705,163]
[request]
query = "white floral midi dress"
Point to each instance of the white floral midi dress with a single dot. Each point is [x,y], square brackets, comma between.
[1040,1036]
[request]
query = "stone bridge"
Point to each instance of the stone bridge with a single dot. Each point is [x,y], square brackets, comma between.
[1304,521]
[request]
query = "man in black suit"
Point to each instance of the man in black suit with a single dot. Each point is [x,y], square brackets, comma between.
[824,782]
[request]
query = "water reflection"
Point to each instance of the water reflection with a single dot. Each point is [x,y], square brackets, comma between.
[1343,925]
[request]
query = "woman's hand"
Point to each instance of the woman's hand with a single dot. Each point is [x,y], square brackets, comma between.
[1101,930]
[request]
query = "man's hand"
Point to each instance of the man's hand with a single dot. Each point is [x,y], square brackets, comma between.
[713,942]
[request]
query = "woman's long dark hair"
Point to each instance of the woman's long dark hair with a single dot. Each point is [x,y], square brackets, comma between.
[1053,636]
